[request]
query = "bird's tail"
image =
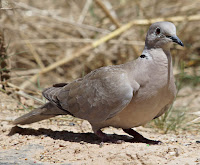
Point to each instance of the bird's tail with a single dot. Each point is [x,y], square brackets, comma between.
[47,111]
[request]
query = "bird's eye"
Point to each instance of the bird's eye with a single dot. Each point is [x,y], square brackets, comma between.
[157,31]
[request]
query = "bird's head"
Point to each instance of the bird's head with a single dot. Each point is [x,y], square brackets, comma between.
[161,35]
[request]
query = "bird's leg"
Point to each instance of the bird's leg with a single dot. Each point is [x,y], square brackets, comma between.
[139,138]
[105,138]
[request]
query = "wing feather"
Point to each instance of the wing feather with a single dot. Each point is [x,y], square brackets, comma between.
[97,97]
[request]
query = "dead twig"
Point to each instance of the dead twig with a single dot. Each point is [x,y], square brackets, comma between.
[18,88]
[116,22]
[56,64]
[52,15]
[84,11]
[106,11]
[21,93]
[33,52]
[8,8]
[78,40]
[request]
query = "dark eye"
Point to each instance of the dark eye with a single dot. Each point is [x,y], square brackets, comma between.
[157,31]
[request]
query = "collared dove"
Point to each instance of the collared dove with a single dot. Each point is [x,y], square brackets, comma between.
[122,96]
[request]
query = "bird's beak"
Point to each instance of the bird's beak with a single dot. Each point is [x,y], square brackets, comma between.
[176,40]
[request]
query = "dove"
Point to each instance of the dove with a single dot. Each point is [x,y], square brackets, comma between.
[121,96]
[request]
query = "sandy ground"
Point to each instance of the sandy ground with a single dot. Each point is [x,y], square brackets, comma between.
[61,141]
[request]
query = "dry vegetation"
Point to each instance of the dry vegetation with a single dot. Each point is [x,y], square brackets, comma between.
[57,41]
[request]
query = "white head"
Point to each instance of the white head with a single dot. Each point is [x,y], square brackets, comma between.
[161,35]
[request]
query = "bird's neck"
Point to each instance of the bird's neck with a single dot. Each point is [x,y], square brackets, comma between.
[170,67]
[163,60]
[160,55]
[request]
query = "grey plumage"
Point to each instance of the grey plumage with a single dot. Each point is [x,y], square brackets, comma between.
[123,96]
[46,111]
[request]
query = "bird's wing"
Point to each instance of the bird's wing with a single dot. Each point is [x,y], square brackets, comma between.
[98,96]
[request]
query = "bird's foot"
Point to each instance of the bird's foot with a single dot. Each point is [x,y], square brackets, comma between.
[138,138]
[105,138]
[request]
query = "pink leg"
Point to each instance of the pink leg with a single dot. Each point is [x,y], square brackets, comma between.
[105,138]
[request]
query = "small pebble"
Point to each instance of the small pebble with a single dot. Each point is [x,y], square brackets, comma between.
[101,144]
[187,144]
[41,157]
[177,153]
[119,141]
[61,145]
[197,160]
[71,124]
[174,140]
[198,141]
[172,153]
[4,130]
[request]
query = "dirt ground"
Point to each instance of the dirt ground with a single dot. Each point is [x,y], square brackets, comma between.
[64,140]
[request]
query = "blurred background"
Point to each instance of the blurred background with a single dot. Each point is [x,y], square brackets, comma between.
[47,42]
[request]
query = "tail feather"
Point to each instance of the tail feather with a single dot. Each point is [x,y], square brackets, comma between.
[47,111]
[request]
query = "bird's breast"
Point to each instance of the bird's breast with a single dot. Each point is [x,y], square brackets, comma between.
[146,103]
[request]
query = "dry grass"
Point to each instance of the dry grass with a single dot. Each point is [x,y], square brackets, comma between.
[67,39]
